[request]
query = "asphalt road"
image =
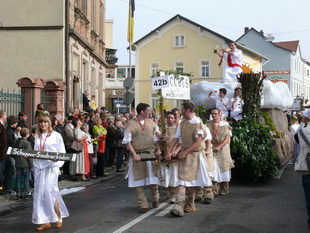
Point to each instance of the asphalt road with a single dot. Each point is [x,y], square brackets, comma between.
[109,206]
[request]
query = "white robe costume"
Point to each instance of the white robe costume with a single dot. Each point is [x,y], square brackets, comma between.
[222,104]
[236,109]
[46,173]
[231,72]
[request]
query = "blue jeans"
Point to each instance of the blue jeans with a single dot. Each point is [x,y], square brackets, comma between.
[22,172]
[9,173]
[306,185]
[2,166]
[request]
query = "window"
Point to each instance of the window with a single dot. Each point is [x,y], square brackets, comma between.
[94,15]
[84,76]
[154,69]
[92,81]
[132,72]
[179,41]
[154,100]
[178,104]
[75,64]
[121,72]
[179,66]
[101,20]
[82,5]
[204,69]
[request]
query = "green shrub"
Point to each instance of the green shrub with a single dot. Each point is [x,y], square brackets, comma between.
[201,112]
[251,148]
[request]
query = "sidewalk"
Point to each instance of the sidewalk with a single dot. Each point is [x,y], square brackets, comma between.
[7,205]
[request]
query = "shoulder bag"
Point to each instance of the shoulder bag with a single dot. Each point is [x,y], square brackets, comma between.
[77,146]
[308,144]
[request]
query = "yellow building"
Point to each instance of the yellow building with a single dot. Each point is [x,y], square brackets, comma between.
[181,44]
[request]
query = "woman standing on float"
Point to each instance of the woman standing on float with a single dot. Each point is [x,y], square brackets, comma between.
[48,206]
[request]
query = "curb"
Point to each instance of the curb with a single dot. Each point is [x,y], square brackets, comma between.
[7,205]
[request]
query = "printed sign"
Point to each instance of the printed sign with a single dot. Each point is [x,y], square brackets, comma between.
[160,82]
[117,101]
[295,106]
[271,72]
[276,78]
[179,88]
[172,88]
[165,107]
[41,154]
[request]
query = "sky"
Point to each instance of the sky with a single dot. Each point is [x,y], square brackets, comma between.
[286,20]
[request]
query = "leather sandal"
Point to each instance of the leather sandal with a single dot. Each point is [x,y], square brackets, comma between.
[59,224]
[44,227]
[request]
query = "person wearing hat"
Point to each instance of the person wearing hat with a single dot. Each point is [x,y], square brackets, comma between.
[302,161]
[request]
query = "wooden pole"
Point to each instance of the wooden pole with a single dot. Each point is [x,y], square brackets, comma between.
[162,120]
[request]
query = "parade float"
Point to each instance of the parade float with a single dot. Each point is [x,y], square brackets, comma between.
[261,142]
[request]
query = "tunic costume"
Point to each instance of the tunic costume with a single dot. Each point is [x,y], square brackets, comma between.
[234,66]
[193,169]
[141,173]
[236,109]
[141,136]
[168,170]
[219,132]
[214,173]
[213,166]
[46,174]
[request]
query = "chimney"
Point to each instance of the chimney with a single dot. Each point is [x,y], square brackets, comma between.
[261,32]
[246,29]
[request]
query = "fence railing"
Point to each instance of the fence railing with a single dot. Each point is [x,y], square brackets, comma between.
[11,101]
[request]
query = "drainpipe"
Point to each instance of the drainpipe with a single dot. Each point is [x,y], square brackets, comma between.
[67,74]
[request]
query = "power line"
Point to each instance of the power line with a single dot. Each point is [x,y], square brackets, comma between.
[291,32]
[202,22]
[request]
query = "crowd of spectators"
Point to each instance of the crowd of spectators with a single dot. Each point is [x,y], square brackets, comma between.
[97,133]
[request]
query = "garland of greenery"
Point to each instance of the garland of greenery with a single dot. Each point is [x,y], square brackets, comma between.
[251,144]
[251,149]
[252,87]
[269,122]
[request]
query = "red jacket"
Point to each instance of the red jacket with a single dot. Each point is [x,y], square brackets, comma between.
[101,144]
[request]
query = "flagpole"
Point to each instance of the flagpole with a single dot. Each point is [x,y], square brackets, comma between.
[130,36]
[130,46]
